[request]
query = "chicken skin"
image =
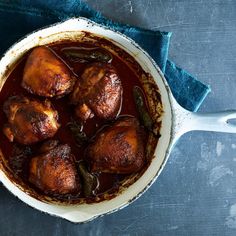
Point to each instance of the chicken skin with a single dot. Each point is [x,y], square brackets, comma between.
[55,171]
[119,149]
[47,75]
[29,121]
[97,92]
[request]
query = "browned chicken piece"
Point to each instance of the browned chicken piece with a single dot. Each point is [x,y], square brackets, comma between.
[48,145]
[97,92]
[45,74]
[55,171]
[118,149]
[29,121]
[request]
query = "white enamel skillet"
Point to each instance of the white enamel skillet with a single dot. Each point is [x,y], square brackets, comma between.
[175,120]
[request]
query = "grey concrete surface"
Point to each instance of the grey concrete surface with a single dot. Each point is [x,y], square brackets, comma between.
[196,192]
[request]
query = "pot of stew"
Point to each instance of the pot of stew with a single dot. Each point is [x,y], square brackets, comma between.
[87,120]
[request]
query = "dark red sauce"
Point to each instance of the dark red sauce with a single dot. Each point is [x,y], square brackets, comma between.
[19,167]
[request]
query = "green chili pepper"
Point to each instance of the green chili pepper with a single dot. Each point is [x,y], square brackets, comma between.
[77,130]
[145,118]
[90,182]
[87,55]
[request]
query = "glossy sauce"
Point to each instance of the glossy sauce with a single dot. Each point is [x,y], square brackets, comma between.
[12,87]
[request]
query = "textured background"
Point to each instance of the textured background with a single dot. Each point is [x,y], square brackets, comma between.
[196,192]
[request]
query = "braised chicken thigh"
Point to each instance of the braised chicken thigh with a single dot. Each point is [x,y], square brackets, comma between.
[55,171]
[29,121]
[118,149]
[47,75]
[98,92]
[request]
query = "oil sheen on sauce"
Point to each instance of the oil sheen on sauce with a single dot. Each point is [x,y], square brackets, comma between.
[107,182]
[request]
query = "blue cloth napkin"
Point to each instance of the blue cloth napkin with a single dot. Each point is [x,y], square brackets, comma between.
[19,17]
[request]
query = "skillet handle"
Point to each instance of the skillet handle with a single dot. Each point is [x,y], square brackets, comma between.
[185,121]
[218,121]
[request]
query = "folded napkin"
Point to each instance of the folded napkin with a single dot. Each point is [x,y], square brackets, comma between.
[19,17]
